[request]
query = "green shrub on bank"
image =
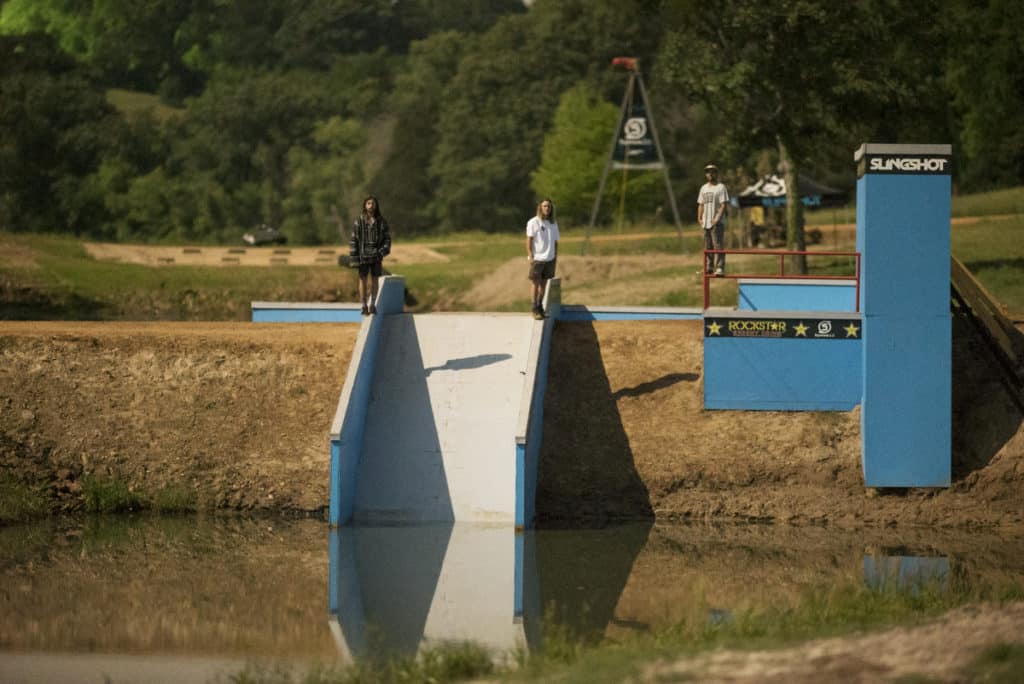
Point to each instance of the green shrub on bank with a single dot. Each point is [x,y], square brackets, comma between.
[21,501]
[109,496]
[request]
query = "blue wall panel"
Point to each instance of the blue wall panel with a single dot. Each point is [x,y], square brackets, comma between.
[349,313]
[903,238]
[782,374]
[796,295]
[624,313]
[905,419]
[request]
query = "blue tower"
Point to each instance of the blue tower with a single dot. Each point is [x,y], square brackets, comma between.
[903,212]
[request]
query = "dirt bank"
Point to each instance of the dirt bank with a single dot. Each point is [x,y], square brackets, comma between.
[625,434]
[241,414]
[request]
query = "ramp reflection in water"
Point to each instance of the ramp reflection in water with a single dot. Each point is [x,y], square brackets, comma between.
[395,590]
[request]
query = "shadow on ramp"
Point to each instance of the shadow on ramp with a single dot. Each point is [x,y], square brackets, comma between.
[469,363]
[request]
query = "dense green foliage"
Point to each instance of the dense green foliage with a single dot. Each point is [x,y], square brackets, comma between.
[460,113]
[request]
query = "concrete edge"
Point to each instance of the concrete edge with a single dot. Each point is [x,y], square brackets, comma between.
[540,334]
[342,306]
[345,450]
[390,300]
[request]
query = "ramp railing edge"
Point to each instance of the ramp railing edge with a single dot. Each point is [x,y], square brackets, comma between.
[531,407]
[346,436]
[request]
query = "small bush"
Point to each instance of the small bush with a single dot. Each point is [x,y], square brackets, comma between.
[109,496]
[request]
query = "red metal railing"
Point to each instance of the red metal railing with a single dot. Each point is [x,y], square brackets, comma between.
[781,274]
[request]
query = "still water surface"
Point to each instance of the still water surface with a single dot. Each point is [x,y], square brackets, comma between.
[144,598]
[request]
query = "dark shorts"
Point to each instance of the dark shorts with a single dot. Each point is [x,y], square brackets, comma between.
[373,269]
[542,270]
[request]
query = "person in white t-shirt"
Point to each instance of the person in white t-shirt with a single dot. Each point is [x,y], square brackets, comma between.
[542,250]
[711,203]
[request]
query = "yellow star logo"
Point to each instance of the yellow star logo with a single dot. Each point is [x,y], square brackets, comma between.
[714,328]
[800,329]
[851,330]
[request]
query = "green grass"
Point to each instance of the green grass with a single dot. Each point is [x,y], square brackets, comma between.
[59,280]
[449,662]
[21,501]
[569,657]
[997,202]
[994,251]
[110,495]
[994,203]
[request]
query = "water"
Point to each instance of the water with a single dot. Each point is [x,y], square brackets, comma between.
[145,598]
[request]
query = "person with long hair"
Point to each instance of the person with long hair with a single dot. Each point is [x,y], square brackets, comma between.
[542,251]
[370,243]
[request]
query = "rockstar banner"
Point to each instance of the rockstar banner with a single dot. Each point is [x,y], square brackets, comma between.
[790,328]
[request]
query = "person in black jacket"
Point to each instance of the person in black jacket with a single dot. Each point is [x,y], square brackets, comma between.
[371,242]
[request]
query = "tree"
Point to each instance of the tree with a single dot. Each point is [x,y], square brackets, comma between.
[416,100]
[985,72]
[575,152]
[131,44]
[792,74]
[499,108]
[55,125]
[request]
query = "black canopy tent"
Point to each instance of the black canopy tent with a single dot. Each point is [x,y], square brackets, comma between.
[770,192]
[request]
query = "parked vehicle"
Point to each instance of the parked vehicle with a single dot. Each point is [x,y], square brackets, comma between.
[264,235]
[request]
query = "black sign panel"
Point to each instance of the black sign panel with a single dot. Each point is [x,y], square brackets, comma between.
[788,328]
[634,146]
[906,164]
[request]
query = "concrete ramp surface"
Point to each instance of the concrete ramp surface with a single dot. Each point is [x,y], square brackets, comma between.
[441,418]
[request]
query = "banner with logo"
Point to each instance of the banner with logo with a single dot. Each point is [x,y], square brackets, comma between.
[791,328]
[634,146]
[906,164]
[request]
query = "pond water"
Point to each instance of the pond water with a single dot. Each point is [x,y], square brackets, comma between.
[144,598]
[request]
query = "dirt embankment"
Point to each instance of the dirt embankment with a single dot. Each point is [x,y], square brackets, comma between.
[241,413]
[648,447]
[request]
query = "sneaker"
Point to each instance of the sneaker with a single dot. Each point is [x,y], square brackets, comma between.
[373,309]
[719,271]
[538,314]
[365,311]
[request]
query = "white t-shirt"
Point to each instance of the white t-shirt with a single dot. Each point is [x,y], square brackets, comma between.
[712,197]
[545,235]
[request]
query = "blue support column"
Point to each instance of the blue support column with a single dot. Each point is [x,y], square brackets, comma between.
[903,210]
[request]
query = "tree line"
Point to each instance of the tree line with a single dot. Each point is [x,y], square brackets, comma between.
[193,120]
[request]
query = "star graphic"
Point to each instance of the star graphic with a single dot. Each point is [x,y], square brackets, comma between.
[800,329]
[851,330]
[714,328]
